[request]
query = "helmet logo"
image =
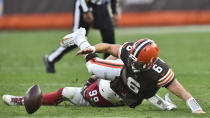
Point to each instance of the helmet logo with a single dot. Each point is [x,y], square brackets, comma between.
[128,48]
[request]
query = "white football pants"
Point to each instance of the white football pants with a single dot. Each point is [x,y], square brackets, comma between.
[106,69]
[73,94]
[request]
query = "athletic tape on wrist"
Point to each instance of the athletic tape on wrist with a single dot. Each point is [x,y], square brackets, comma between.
[193,105]
[93,48]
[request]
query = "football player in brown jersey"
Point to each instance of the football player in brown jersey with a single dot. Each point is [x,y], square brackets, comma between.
[143,73]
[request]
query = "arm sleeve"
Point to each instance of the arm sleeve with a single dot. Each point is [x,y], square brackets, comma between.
[84,6]
[166,75]
[166,80]
[114,6]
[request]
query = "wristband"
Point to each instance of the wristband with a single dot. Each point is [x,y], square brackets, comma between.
[193,105]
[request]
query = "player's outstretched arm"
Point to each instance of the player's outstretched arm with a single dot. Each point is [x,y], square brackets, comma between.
[112,49]
[176,88]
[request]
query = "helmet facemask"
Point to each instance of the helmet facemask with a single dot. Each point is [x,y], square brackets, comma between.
[141,66]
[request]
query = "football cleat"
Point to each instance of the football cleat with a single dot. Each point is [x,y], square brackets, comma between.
[161,103]
[75,38]
[167,97]
[169,104]
[68,40]
[49,66]
[13,100]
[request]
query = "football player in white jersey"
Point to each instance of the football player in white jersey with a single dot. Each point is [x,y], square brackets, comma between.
[143,72]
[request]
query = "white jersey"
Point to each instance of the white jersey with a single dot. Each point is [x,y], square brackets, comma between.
[95,90]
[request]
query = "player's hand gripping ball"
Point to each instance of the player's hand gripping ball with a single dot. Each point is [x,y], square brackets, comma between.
[33,99]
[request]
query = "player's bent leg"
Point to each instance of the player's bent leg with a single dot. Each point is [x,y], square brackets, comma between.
[49,66]
[73,94]
[107,69]
[13,100]
[52,98]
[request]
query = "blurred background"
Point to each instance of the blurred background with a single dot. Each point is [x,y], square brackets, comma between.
[39,14]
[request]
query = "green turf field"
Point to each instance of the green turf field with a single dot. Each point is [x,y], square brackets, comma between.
[185,49]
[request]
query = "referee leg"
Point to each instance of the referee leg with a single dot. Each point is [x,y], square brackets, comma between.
[108,36]
[58,53]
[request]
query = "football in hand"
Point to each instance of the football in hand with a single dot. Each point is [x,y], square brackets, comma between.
[33,99]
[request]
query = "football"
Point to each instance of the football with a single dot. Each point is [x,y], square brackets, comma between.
[33,99]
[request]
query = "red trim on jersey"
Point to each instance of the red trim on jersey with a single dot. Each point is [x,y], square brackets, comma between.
[169,76]
[166,77]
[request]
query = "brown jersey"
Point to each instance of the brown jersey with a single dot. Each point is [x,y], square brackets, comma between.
[134,86]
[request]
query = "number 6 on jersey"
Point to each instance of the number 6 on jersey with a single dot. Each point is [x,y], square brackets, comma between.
[133,85]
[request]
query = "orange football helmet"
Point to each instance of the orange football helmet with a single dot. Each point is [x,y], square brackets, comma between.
[144,54]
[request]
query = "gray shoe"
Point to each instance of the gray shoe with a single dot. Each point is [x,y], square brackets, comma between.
[49,66]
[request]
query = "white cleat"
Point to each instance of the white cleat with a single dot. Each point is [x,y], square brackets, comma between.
[169,104]
[68,40]
[75,38]
[13,100]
